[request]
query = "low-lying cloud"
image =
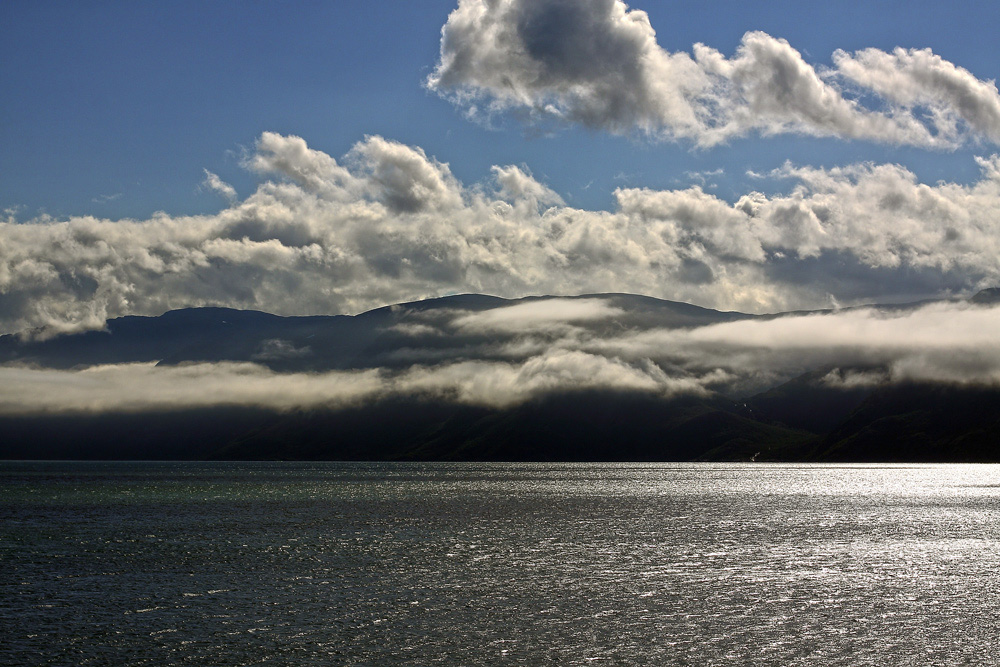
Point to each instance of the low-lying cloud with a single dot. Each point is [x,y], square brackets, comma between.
[542,315]
[597,63]
[388,224]
[942,342]
[948,342]
[145,387]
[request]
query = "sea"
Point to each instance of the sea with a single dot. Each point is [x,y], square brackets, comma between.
[125,563]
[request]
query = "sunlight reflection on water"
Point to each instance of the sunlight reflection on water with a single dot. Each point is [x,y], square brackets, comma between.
[320,563]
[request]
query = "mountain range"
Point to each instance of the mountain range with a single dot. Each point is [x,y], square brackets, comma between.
[474,377]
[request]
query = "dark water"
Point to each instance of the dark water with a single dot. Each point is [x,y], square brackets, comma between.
[234,564]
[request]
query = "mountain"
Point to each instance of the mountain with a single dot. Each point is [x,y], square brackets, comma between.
[369,340]
[806,403]
[815,413]
[918,422]
[571,426]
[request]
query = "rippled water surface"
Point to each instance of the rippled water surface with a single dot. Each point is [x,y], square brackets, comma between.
[373,563]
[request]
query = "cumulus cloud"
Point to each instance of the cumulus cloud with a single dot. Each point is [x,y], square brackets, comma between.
[598,63]
[912,78]
[388,223]
[518,185]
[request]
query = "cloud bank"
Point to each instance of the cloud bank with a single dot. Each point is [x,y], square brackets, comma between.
[144,387]
[942,342]
[597,63]
[950,342]
[388,223]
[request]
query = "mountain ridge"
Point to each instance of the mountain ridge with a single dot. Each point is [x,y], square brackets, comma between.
[803,417]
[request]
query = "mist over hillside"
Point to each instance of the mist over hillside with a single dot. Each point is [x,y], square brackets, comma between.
[591,377]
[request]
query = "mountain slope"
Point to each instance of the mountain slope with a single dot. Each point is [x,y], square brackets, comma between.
[573,426]
[593,377]
[918,422]
[315,343]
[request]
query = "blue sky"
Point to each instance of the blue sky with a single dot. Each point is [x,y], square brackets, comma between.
[329,157]
[114,109]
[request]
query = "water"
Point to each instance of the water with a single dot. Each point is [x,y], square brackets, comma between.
[373,563]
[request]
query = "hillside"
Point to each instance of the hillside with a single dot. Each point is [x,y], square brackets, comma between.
[539,378]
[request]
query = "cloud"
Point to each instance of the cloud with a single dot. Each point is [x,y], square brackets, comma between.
[594,63]
[404,178]
[542,315]
[840,379]
[502,384]
[389,224]
[275,349]
[951,342]
[598,63]
[104,199]
[144,387]
[519,185]
[216,184]
[942,342]
[704,178]
[138,387]
[912,78]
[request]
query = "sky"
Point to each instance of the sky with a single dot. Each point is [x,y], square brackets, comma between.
[307,158]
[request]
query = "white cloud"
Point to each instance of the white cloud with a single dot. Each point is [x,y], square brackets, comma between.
[597,62]
[404,178]
[941,342]
[502,384]
[518,185]
[137,387]
[216,184]
[143,387]
[913,78]
[390,224]
[541,315]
